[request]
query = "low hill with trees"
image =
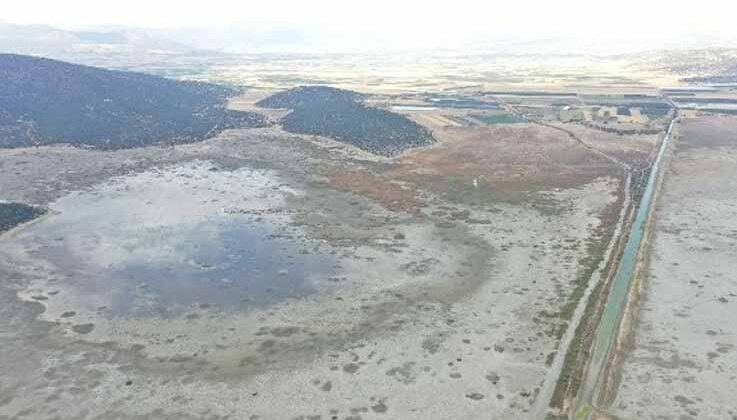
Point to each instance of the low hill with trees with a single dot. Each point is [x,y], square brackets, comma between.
[342,115]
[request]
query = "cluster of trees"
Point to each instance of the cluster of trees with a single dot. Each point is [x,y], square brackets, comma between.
[13,214]
[728,101]
[342,115]
[723,78]
[622,131]
[46,101]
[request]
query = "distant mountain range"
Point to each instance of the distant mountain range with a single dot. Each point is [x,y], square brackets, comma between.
[48,41]
[45,101]
[85,45]
[117,48]
[130,47]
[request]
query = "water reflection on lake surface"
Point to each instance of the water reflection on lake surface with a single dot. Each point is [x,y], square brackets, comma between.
[165,242]
[234,264]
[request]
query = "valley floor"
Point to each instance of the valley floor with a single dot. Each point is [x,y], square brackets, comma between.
[441,297]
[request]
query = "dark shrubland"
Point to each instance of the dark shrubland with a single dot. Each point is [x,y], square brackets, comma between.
[13,214]
[342,115]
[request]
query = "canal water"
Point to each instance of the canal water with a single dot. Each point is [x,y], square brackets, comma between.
[609,323]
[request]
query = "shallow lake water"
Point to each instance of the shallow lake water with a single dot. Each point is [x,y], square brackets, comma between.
[166,242]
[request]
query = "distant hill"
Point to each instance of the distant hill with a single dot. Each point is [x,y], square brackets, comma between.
[342,115]
[45,101]
[154,51]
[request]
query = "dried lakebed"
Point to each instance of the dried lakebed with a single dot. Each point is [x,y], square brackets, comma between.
[145,294]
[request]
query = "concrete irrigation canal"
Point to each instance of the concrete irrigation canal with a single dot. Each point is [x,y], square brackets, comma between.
[609,323]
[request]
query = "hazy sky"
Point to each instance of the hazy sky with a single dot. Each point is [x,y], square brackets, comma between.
[411,21]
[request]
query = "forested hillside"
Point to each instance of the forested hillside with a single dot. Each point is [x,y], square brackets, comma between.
[342,115]
[46,101]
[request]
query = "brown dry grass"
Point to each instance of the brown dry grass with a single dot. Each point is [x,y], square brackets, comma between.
[365,183]
[504,159]
[477,164]
[635,150]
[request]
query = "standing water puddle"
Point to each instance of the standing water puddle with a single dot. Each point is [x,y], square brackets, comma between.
[163,243]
